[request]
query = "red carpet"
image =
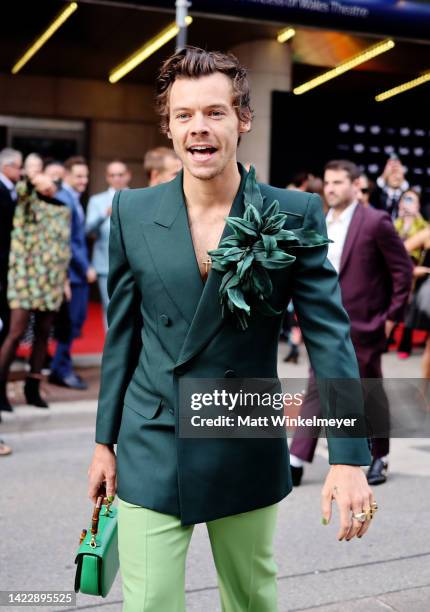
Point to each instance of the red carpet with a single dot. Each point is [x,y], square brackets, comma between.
[92,338]
[93,333]
[418,337]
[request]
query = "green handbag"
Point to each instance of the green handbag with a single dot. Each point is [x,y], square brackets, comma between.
[97,557]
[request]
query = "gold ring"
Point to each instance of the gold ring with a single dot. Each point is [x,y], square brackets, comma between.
[369,513]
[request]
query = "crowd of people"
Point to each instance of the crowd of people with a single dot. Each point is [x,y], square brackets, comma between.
[381,252]
[45,266]
[393,194]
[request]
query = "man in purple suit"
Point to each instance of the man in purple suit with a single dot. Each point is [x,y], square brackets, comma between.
[375,276]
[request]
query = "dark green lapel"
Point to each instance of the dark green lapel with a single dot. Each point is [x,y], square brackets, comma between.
[207,318]
[169,241]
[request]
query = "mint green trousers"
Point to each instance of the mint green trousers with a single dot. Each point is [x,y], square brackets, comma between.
[152,553]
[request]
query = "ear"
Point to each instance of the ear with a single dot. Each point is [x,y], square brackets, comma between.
[244,127]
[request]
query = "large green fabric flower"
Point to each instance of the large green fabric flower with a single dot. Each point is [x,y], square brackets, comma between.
[251,250]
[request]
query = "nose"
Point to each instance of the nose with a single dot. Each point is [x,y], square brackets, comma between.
[199,125]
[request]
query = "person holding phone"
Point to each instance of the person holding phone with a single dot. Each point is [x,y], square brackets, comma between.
[409,223]
[390,186]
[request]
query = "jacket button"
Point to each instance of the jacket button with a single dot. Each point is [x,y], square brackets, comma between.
[165,319]
[171,410]
[229,374]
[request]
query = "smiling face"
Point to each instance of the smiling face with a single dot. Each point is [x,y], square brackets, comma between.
[203,124]
[77,177]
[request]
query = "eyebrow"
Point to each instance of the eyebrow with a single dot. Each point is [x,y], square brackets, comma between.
[214,105]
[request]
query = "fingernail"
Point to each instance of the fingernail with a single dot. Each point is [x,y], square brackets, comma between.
[324,521]
[111,498]
[359,536]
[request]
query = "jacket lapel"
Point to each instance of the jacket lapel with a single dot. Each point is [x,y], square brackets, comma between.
[207,318]
[169,240]
[353,230]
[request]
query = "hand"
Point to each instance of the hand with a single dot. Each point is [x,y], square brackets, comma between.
[67,291]
[102,473]
[91,275]
[388,169]
[389,326]
[44,185]
[347,485]
[392,165]
[420,271]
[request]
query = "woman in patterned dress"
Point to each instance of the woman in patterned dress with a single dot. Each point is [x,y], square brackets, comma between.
[37,278]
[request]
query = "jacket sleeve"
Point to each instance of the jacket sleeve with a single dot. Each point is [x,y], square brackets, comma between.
[399,266]
[79,260]
[123,340]
[326,331]
[95,218]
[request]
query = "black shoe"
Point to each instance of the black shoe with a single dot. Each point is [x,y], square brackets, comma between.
[71,381]
[32,394]
[293,355]
[377,473]
[4,402]
[296,475]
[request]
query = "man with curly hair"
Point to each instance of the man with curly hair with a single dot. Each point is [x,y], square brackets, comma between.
[166,325]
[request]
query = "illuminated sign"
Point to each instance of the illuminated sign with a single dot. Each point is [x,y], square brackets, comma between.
[403,18]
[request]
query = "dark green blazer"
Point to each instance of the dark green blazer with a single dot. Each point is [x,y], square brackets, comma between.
[165,323]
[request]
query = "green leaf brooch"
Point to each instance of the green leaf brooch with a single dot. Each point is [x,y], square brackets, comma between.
[245,256]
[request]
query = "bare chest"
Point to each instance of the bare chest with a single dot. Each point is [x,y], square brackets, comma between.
[206,231]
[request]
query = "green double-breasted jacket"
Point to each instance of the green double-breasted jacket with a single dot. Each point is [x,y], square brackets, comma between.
[165,323]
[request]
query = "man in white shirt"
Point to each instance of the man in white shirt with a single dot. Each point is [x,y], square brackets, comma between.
[375,276]
[118,177]
[338,220]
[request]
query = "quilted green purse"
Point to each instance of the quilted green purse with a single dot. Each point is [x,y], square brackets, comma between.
[97,557]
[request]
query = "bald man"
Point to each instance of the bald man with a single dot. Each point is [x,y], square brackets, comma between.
[118,177]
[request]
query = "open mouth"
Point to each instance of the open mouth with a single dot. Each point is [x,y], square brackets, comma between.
[202,152]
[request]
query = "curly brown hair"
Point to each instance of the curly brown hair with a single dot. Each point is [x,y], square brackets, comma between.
[192,63]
